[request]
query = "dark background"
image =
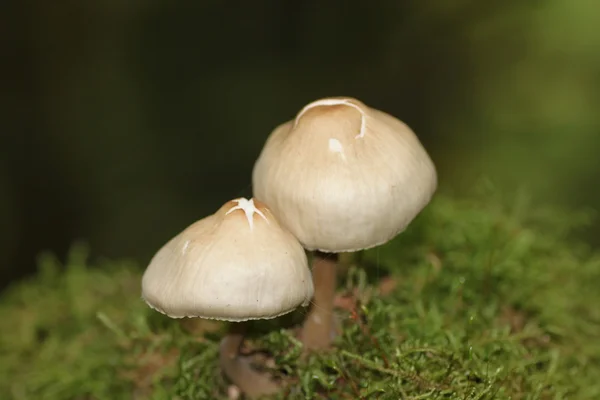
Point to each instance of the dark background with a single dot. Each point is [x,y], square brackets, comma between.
[124,121]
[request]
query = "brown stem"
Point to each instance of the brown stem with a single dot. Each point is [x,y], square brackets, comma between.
[318,330]
[238,369]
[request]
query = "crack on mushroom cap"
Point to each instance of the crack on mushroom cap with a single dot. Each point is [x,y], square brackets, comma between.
[337,102]
[249,208]
[336,147]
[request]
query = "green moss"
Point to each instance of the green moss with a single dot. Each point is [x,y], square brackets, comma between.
[481,302]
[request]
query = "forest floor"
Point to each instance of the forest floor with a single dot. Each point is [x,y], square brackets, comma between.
[477,300]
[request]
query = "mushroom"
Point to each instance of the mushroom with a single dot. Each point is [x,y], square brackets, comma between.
[236,265]
[341,177]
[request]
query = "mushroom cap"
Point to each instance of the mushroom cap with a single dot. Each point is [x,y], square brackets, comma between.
[235,265]
[343,176]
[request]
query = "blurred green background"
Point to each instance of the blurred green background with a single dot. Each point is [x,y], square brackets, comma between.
[125,121]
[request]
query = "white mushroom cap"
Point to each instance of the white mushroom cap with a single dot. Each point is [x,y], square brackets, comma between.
[235,265]
[342,176]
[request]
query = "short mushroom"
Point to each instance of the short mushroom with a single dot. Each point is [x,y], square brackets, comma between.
[236,265]
[341,177]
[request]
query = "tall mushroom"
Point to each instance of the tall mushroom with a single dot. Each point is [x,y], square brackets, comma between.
[236,265]
[341,177]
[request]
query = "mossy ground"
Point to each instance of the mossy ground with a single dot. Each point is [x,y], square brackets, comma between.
[475,301]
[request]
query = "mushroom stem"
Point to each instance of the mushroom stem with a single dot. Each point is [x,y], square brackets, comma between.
[318,329]
[238,368]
